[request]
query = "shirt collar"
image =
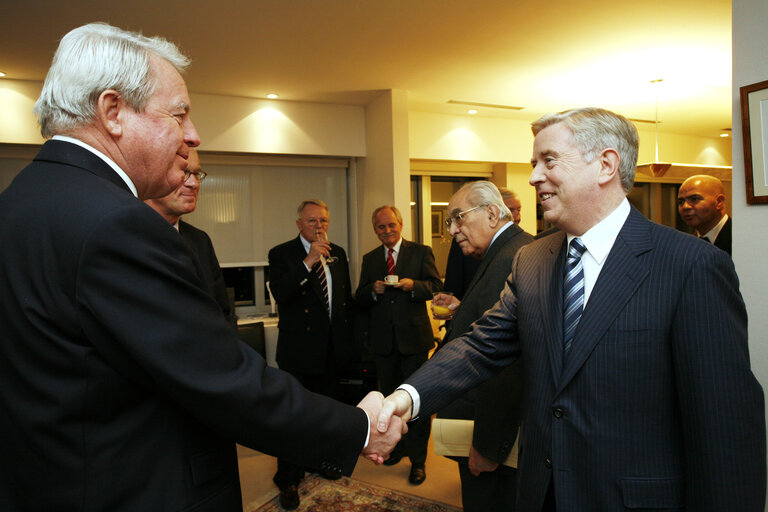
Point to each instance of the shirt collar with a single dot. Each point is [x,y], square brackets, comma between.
[600,237]
[500,231]
[104,157]
[712,233]
[395,248]
[304,242]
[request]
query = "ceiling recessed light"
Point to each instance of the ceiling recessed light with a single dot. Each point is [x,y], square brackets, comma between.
[724,135]
[272,96]
[472,111]
[2,74]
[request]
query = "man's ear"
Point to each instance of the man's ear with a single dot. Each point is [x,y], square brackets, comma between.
[109,107]
[609,166]
[493,215]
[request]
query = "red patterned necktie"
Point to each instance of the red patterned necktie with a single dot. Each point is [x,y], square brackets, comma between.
[390,262]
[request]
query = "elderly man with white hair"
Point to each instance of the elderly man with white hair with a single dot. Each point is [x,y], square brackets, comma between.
[122,386]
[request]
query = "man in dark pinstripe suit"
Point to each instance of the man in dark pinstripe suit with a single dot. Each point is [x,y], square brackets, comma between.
[651,408]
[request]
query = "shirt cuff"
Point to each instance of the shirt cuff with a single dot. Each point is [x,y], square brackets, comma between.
[367,431]
[416,401]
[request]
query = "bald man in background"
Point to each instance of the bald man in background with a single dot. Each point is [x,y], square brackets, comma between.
[701,203]
[181,201]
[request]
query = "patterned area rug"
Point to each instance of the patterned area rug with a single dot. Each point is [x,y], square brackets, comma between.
[347,495]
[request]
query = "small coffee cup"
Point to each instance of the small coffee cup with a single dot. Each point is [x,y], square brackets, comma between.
[391,279]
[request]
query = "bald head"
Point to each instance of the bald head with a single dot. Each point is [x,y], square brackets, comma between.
[701,202]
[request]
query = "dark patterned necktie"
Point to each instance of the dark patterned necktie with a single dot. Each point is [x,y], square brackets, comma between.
[573,293]
[319,272]
[390,262]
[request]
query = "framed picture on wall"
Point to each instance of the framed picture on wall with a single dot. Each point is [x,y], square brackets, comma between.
[754,121]
[437,224]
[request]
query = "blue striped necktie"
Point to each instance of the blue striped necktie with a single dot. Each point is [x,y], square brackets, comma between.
[573,293]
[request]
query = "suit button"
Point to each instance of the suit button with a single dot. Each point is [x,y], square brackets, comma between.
[548,462]
[558,412]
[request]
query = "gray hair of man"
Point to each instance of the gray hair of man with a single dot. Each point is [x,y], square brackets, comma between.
[92,59]
[485,193]
[596,129]
[306,202]
[394,210]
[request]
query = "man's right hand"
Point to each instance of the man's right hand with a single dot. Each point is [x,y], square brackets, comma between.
[380,444]
[318,249]
[398,404]
[379,287]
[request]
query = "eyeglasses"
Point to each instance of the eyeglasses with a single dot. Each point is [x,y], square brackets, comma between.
[458,218]
[199,175]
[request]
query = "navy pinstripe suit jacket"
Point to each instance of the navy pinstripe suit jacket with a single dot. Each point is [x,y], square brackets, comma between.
[656,408]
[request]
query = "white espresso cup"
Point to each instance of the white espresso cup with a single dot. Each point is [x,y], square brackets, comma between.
[391,279]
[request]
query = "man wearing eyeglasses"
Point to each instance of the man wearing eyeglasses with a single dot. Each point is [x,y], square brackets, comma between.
[482,225]
[180,202]
[309,277]
[396,280]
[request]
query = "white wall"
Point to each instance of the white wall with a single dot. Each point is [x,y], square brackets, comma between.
[750,227]
[225,123]
[489,139]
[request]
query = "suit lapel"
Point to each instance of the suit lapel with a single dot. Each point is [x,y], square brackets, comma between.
[402,259]
[300,253]
[622,274]
[551,284]
[488,257]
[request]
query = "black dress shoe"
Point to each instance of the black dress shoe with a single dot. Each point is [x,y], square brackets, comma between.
[330,474]
[289,497]
[418,475]
[394,459]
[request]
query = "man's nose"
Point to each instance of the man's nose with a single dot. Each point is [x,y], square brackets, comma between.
[536,175]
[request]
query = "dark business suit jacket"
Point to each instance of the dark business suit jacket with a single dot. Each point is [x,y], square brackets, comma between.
[723,240]
[494,405]
[122,386]
[202,247]
[304,328]
[656,407]
[398,319]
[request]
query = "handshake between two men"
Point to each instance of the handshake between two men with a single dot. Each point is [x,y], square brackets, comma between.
[387,417]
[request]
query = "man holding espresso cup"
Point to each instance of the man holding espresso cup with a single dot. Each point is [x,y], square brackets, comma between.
[396,281]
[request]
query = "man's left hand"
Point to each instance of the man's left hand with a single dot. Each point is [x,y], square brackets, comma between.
[479,463]
[405,284]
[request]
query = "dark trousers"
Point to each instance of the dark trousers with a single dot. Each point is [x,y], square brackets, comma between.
[392,370]
[549,499]
[491,491]
[288,472]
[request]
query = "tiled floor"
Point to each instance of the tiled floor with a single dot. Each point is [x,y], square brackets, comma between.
[442,484]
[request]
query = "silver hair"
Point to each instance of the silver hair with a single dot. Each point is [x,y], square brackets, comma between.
[394,210]
[485,193]
[307,202]
[596,129]
[92,59]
